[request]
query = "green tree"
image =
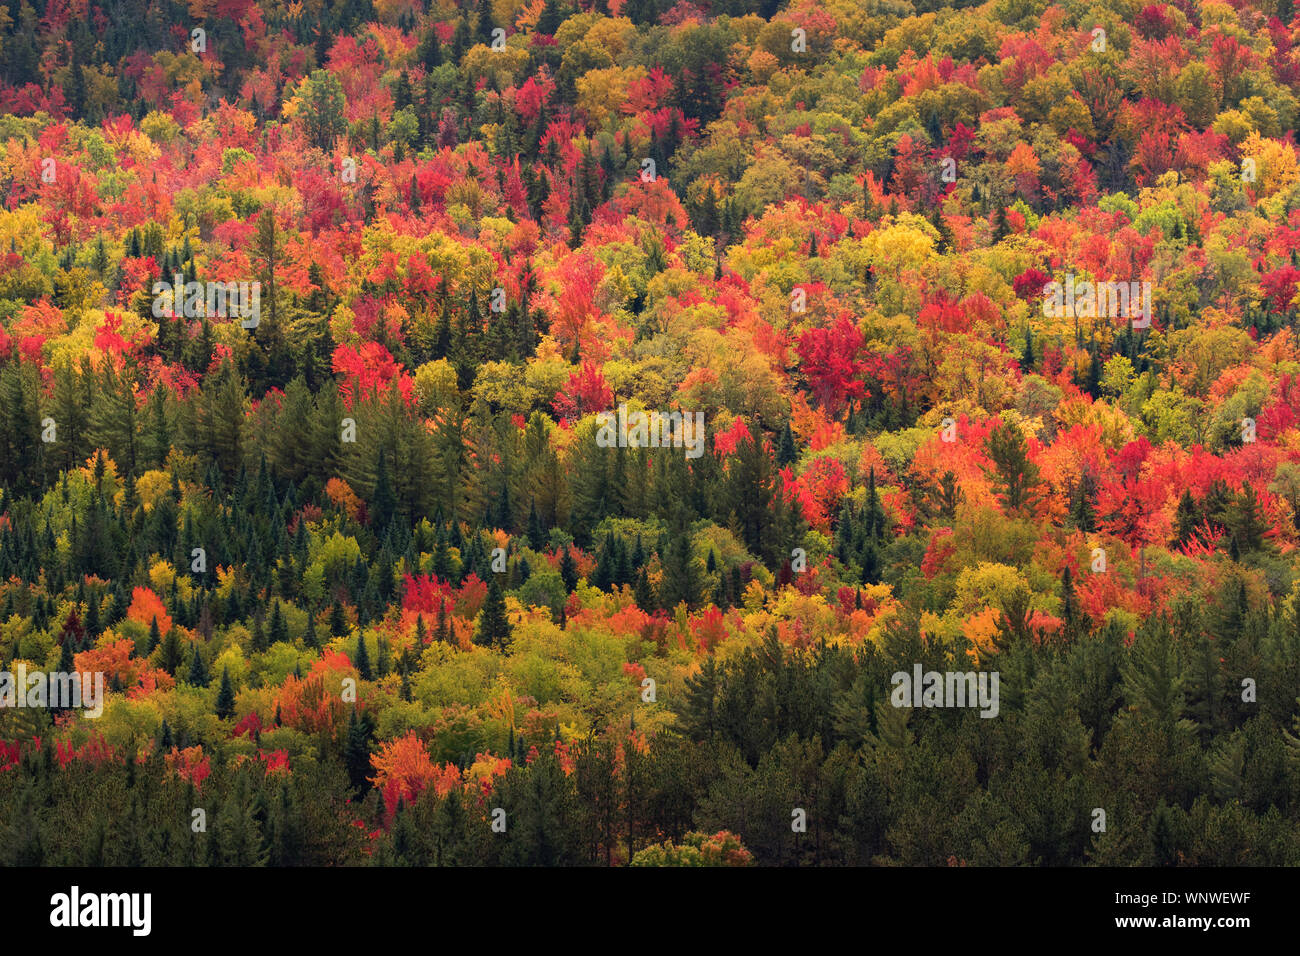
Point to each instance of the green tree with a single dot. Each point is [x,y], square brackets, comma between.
[225,696]
[1015,478]
[494,627]
[321,107]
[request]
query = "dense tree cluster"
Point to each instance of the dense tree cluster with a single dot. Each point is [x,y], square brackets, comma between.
[360,570]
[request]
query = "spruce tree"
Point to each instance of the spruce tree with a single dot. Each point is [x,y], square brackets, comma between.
[225,696]
[785,451]
[443,632]
[493,625]
[643,593]
[568,571]
[279,628]
[198,676]
[356,755]
[170,654]
[1015,478]
[536,536]
[259,643]
[363,658]
[93,626]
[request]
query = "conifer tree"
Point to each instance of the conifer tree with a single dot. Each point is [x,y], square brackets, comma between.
[568,571]
[362,661]
[493,625]
[198,676]
[279,628]
[225,696]
[356,754]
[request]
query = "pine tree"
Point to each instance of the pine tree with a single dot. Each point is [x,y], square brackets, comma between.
[66,665]
[279,628]
[785,451]
[1082,514]
[1244,521]
[493,625]
[383,501]
[1015,478]
[643,593]
[198,676]
[93,625]
[681,578]
[568,571]
[356,755]
[1070,614]
[536,536]
[1186,518]
[443,631]
[699,717]
[170,654]
[363,659]
[225,696]
[259,643]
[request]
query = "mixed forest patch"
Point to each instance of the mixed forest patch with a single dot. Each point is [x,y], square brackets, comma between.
[336,339]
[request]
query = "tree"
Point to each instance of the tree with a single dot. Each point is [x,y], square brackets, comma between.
[279,629]
[363,658]
[493,625]
[1244,522]
[568,571]
[225,696]
[681,575]
[321,106]
[170,655]
[1015,478]
[198,676]
[356,753]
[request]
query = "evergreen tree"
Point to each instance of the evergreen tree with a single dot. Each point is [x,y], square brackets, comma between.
[536,536]
[1015,478]
[225,696]
[443,632]
[363,659]
[198,676]
[356,754]
[279,628]
[568,571]
[493,625]
[170,654]
[785,451]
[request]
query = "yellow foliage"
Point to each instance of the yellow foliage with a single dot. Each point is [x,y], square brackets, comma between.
[1275,165]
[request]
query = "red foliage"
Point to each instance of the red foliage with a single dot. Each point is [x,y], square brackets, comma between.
[191,764]
[831,358]
[584,393]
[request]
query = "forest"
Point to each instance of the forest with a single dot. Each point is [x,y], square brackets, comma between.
[313,316]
